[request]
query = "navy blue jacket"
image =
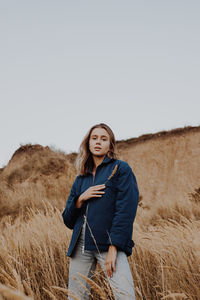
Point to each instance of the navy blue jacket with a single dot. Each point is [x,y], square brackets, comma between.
[109,217]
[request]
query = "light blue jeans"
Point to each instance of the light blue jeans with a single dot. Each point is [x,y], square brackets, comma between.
[121,281]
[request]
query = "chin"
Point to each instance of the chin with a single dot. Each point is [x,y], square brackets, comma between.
[98,154]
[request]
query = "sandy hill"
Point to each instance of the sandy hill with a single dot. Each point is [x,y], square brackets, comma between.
[166,165]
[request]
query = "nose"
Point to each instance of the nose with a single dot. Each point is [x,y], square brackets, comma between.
[98,142]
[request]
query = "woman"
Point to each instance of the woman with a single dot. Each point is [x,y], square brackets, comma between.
[101,209]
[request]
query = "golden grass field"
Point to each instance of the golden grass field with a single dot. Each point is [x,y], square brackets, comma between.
[165,262]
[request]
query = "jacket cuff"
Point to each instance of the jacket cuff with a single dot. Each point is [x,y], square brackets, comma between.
[115,242]
[73,205]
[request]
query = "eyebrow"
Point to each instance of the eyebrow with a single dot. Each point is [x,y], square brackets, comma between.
[101,135]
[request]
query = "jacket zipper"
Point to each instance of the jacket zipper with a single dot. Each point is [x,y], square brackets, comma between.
[82,224]
[85,218]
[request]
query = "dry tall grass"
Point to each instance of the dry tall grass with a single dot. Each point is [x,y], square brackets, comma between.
[33,264]
[165,260]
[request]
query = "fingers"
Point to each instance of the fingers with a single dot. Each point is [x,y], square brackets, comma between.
[99,186]
[113,266]
[95,190]
[97,195]
[110,268]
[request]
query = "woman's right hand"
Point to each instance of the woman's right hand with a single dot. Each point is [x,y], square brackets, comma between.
[93,191]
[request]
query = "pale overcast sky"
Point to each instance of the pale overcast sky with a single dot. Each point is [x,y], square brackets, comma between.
[67,65]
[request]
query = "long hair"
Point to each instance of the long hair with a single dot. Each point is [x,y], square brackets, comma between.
[84,158]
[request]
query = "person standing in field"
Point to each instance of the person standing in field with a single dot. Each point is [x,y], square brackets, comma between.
[101,209]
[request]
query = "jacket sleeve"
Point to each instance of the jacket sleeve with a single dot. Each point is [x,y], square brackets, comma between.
[71,212]
[125,208]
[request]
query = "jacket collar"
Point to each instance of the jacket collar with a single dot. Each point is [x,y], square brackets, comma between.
[105,161]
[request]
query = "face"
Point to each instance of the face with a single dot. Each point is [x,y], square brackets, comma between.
[99,142]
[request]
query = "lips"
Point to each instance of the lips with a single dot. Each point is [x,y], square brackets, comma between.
[97,148]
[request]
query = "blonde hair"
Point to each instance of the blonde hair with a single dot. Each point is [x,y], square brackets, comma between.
[84,158]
